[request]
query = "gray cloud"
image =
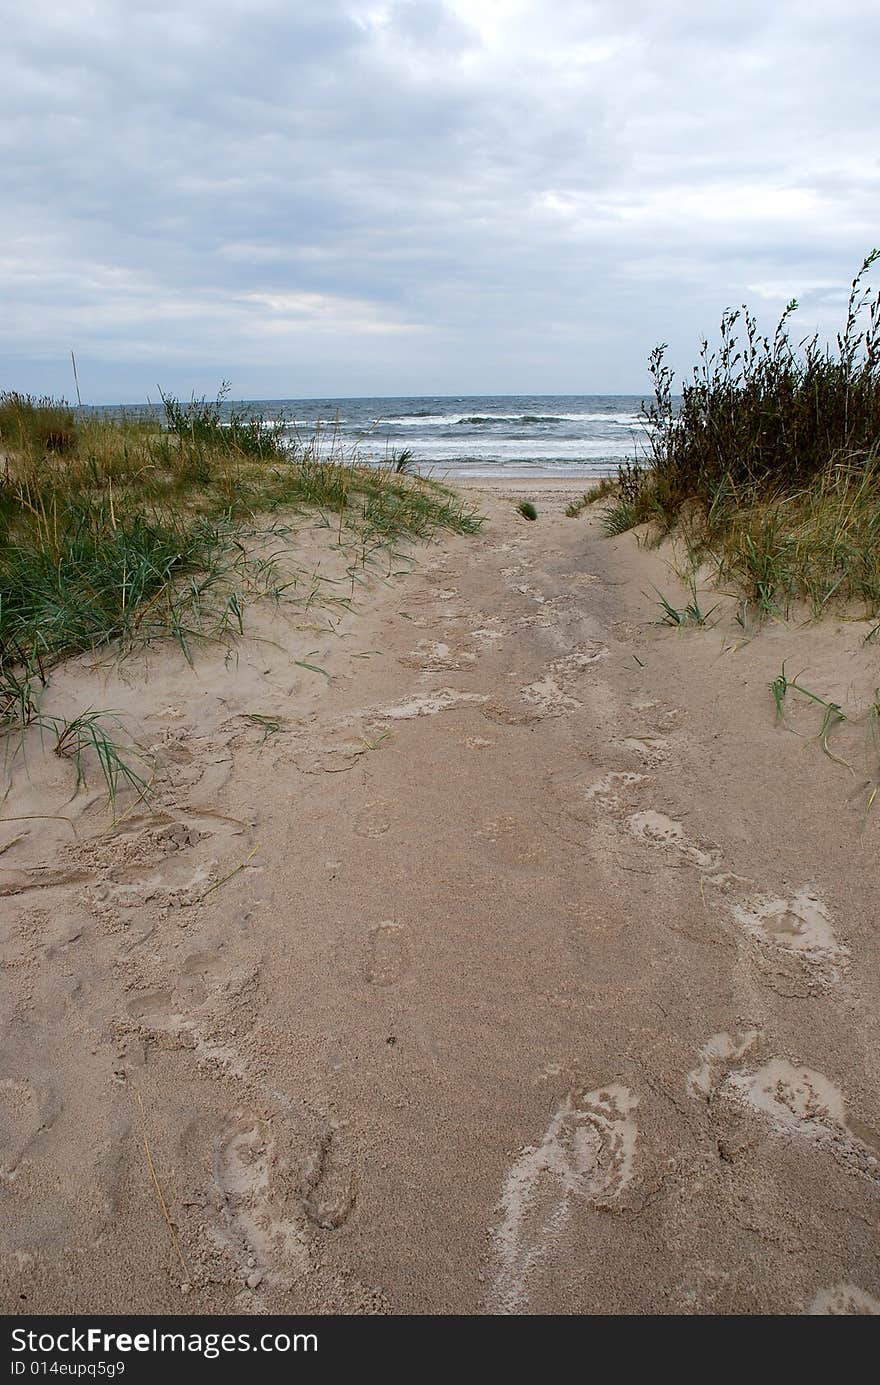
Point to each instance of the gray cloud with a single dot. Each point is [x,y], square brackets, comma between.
[416,195]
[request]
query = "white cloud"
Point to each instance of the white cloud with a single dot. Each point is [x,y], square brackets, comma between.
[536,193]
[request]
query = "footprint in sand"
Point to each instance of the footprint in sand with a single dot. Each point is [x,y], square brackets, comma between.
[261,1227]
[388,954]
[150,1005]
[328,758]
[651,750]
[436,657]
[795,1101]
[615,791]
[580,659]
[178,888]
[27,1110]
[211,782]
[200,974]
[329,1185]
[587,1155]
[550,694]
[662,718]
[513,841]
[720,1050]
[587,796]
[202,1011]
[426,706]
[502,714]
[799,926]
[268,1177]
[111,1157]
[658,830]
[198,767]
[375,818]
[844,1300]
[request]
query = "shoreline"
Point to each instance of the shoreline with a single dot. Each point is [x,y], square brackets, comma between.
[514,485]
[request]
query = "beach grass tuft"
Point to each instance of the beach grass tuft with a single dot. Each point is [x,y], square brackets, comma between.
[617,518]
[692,614]
[769,464]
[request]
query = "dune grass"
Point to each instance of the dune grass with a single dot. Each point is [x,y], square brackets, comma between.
[113,528]
[770,463]
[124,530]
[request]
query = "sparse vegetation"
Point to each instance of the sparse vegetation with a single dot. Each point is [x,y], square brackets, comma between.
[201,424]
[87,732]
[602,488]
[402,461]
[617,518]
[270,725]
[770,464]
[832,713]
[682,616]
[75,739]
[527,510]
[832,717]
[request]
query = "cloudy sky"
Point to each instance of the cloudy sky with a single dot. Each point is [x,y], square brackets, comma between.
[421,196]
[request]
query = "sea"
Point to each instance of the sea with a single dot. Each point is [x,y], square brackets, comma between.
[513,435]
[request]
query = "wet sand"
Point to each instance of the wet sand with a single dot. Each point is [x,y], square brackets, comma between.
[517,963]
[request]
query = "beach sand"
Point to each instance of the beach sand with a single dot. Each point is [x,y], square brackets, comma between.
[517,963]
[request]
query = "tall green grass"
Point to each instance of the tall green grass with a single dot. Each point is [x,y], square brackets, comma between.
[202,424]
[770,462]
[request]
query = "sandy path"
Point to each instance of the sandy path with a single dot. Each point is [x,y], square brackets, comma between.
[549,983]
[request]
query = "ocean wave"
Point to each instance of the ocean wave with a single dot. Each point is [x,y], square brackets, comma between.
[420,420]
[626,420]
[520,420]
[327,424]
[524,420]
[491,447]
[425,419]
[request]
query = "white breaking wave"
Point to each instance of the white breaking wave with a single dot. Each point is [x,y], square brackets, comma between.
[418,420]
[486,420]
[628,420]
